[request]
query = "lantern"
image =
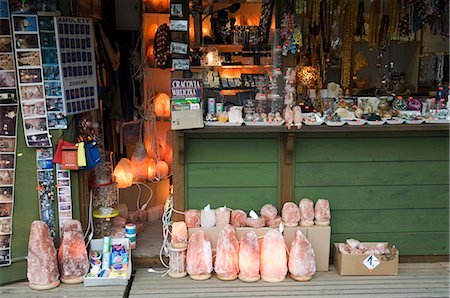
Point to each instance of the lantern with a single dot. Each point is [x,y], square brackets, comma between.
[179,234]
[249,258]
[139,162]
[273,257]
[162,105]
[151,169]
[123,174]
[162,169]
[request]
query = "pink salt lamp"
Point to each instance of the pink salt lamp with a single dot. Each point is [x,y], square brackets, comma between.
[162,169]
[238,218]
[255,222]
[306,207]
[322,212]
[269,212]
[151,169]
[162,105]
[123,174]
[199,256]
[274,223]
[302,260]
[249,258]
[139,163]
[192,218]
[227,254]
[290,214]
[273,257]
[179,235]
[168,155]
[222,216]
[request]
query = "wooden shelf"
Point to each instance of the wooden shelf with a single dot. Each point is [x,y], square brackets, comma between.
[242,67]
[231,88]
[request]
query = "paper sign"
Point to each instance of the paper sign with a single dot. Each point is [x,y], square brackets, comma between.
[371,262]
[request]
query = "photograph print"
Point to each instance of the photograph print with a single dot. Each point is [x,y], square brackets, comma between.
[7,161]
[7,79]
[5,241]
[5,257]
[6,177]
[27,41]
[8,116]
[8,144]
[5,209]
[29,58]
[5,225]
[25,23]
[4,27]
[31,92]
[6,194]
[4,10]
[39,140]
[35,126]
[7,62]
[30,75]
[33,109]
[5,44]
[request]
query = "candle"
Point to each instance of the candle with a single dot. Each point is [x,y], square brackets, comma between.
[273,257]
[249,258]
[207,217]
[179,234]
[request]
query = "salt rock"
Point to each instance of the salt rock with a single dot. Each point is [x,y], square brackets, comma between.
[273,257]
[140,227]
[119,222]
[222,216]
[274,223]
[255,222]
[302,259]
[142,215]
[42,264]
[154,213]
[306,207]
[269,212]
[238,218]
[322,212]
[226,265]
[123,210]
[290,214]
[118,232]
[133,216]
[179,234]
[72,255]
[249,258]
[192,218]
[199,256]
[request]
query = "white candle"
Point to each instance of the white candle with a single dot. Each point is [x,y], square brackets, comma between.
[207,217]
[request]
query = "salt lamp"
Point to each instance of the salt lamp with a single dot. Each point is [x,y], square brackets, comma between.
[72,255]
[249,258]
[306,207]
[192,218]
[199,256]
[273,257]
[274,223]
[269,212]
[222,216]
[123,174]
[255,222]
[139,163]
[322,212]
[226,265]
[162,169]
[290,214]
[162,105]
[238,218]
[179,234]
[207,217]
[168,155]
[151,169]
[302,259]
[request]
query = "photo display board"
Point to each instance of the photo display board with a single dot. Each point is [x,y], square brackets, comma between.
[8,132]
[30,80]
[75,41]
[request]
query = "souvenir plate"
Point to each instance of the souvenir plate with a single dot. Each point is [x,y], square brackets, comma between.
[437,121]
[356,122]
[262,123]
[395,121]
[217,123]
[334,123]
[376,122]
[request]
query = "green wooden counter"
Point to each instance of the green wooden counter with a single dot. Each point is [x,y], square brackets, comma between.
[384,183]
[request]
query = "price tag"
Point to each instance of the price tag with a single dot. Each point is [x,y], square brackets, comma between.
[371,262]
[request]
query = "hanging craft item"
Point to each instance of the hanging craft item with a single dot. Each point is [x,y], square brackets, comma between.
[162,46]
[349,22]
[64,195]
[46,188]
[360,63]
[31,84]
[52,79]
[76,56]
[360,30]
[8,124]
[287,29]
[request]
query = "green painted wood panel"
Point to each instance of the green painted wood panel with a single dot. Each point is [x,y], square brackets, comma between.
[244,198]
[378,197]
[414,244]
[232,175]
[219,150]
[372,149]
[371,173]
[379,220]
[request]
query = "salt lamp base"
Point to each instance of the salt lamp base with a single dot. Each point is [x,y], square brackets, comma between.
[231,277]
[177,274]
[44,287]
[201,276]
[301,278]
[179,245]
[249,279]
[273,279]
[72,281]
[322,223]
[306,223]
[291,225]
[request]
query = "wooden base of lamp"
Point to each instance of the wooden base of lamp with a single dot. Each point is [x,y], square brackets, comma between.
[322,223]
[72,281]
[227,278]
[301,278]
[177,274]
[201,276]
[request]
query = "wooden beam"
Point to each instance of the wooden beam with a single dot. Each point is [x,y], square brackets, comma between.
[178,174]
[286,168]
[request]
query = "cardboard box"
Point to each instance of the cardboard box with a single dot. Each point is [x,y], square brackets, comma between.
[319,236]
[97,245]
[187,119]
[353,264]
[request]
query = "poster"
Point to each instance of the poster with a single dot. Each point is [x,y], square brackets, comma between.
[64,195]
[52,79]
[77,66]
[32,89]
[46,188]
[8,133]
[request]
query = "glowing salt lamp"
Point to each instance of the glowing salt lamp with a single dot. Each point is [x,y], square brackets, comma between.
[139,163]
[307,76]
[162,169]
[162,105]
[151,169]
[157,5]
[226,265]
[273,257]
[168,155]
[123,174]
[249,259]
[179,235]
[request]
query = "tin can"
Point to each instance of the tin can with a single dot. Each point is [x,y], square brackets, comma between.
[130,228]
[131,237]
[219,107]
[211,105]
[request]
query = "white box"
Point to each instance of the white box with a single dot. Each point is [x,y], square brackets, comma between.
[97,245]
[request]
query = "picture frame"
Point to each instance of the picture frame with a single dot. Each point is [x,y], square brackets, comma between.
[179,25]
[179,48]
[176,10]
[181,64]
